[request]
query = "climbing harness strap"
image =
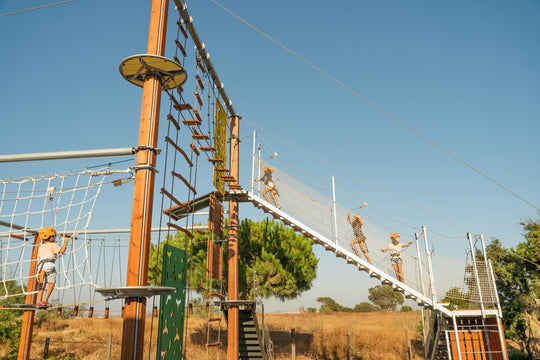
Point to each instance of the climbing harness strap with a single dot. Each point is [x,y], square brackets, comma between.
[44,273]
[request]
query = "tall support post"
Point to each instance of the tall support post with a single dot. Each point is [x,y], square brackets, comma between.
[25,342]
[253,162]
[259,162]
[476,277]
[499,311]
[456,334]
[416,236]
[141,216]
[335,212]
[493,293]
[446,337]
[430,269]
[500,331]
[498,301]
[479,289]
[233,320]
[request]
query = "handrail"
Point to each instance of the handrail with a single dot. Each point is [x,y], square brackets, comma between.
[267,346]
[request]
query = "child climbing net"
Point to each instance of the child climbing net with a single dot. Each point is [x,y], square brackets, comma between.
[33,210]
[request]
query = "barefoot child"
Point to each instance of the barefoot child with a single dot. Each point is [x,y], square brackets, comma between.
[359,237]
[270,186]
[395,255]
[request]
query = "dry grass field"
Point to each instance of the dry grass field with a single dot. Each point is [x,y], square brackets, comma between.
[374,336]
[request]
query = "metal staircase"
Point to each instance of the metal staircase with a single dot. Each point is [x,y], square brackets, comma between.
[452,340]
[253,340]
[248,340]
[435,339]
[341,252]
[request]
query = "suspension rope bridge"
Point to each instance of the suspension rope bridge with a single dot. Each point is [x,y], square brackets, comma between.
[323,220]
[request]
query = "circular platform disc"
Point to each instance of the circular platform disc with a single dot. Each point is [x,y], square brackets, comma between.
[135,291]
[137,67]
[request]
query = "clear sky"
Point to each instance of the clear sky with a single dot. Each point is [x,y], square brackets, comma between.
[463,74]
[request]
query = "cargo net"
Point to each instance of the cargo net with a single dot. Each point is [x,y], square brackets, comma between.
[453,279]
[466,286]
[63,201]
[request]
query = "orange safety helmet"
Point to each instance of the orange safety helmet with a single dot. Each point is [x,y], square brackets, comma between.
[46,233]
[269,168]
[394,235]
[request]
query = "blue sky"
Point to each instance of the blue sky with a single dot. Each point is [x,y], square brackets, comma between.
[463,74]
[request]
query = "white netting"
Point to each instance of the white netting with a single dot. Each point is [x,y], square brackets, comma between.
[63,201]
[453,278]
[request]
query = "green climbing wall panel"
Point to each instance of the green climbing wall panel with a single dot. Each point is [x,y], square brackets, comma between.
[171,315]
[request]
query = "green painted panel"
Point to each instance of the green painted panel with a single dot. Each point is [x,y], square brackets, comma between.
[171,310]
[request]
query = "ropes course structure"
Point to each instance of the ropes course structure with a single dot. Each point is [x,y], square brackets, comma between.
[63,201]
[470,284]
[329,219]
[66,202]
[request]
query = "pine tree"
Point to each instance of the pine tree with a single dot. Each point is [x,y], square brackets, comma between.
[517,275]
[283,260]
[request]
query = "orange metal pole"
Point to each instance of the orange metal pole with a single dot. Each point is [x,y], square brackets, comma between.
[25,342]
[141,216]
[233,320]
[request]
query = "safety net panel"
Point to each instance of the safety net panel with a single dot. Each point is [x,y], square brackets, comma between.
[63,202]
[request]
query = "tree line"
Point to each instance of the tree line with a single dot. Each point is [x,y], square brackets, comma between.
[381,297]
[517,276]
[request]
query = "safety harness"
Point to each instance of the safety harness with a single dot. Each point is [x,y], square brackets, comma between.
[43,273]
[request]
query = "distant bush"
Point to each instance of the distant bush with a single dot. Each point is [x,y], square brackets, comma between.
[364,307]
[406,308]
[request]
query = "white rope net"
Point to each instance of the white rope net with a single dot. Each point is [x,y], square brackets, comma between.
[63,201]
[453,279]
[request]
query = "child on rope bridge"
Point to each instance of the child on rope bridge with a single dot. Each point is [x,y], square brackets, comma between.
[395,255]
[359,237]
[270,186]
[46,254]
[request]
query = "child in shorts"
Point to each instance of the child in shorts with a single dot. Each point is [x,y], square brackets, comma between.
[395,255]
[47,252]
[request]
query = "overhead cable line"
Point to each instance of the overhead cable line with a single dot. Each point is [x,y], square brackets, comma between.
[391,218]
[522,258]
[354,175]
[36,8]
[440,147]
[381,213]
[294,167]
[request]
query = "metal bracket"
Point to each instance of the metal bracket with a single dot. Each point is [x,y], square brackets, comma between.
[145,147]
[145,167]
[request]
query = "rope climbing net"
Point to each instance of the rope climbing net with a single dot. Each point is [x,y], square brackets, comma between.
[64,201]
[467,283]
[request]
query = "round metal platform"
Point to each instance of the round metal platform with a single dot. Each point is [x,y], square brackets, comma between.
[134,291]
[137,68]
